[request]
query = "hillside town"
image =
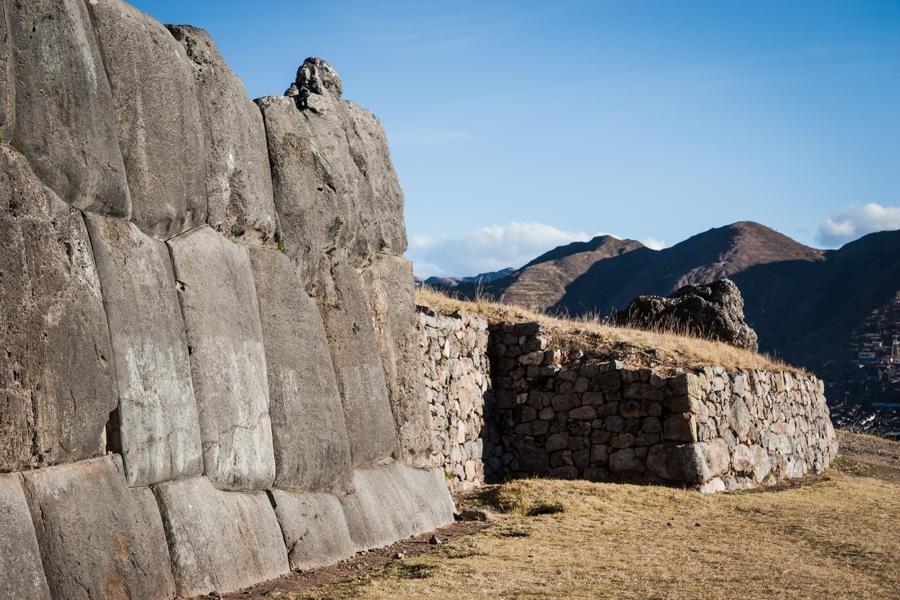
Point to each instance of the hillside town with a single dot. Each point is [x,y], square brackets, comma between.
[874,352]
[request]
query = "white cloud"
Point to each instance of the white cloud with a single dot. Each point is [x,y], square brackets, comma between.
[486,249]
[856,221]
[654,244]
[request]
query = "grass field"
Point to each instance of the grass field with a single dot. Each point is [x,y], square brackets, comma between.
[835,537]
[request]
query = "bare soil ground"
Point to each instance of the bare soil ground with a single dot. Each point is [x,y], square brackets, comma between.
[833,536]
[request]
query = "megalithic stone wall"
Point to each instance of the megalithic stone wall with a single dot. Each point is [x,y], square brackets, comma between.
[208,357]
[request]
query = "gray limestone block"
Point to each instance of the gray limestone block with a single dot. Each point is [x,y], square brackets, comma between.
[314,178]
[220,541]
[383,199]
[57,384]
[429,504]
[20,558]
[228,363]
[238,179]
[158,119]
[55,103]
[314,528]
[394,501]
[312,448]
[98,537]
[389,282]
[335,187]
[360,374]
[156,428]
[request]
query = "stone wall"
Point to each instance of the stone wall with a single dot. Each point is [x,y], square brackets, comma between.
[458,390]
[207,331]
[559,414]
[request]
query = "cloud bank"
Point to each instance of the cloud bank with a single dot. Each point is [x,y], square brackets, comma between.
[856,221]
[486,249]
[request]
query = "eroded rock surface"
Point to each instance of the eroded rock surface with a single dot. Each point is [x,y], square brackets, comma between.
[238,180]
[220,541]
[395,501]
[312,448]
[228,362]
[98,537]
[160,131]
[20,558]
[156,427]
[56,105]
[314,527]
[335,187]
[57,385]
[360,373]
[389,283]
[714,311]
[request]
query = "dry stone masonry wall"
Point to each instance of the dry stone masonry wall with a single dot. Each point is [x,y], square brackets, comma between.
[526,408]
[458,388]
[208,364]
[558,414]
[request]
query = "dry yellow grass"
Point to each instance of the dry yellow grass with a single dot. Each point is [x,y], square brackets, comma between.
[635,346]
[838,537]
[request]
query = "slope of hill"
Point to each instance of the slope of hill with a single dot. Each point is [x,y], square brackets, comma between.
[542,283]
[717,253]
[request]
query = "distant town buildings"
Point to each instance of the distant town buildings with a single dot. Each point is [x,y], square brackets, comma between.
[873,378]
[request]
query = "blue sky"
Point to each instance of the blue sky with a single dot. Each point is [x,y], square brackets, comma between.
[516,126]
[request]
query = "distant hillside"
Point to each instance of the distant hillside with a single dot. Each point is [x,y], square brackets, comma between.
[811,307]
[446,283]
[717,253]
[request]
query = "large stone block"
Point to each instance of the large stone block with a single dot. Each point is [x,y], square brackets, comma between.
[360,373]
[312,448]
[390,285]
[228,362]
[55,103]
[682,463]
[394,501]
[158,118]
[238,179]
[98,537]
[334,184]
[220,541]
[156,427]
[314,527]
[428,502]
[20,559]
[314,180]
[57,385]
[382,200]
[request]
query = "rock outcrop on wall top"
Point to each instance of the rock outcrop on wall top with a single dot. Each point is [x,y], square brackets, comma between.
[194,399]
[713,311]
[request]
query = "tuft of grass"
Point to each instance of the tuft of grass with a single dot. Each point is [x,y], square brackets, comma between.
[637,347]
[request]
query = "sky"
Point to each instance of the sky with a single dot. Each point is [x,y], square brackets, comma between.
[518,126]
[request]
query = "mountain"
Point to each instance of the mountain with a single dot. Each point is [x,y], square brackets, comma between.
[446,283]
[722,252]
[823,310]
[541,283]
